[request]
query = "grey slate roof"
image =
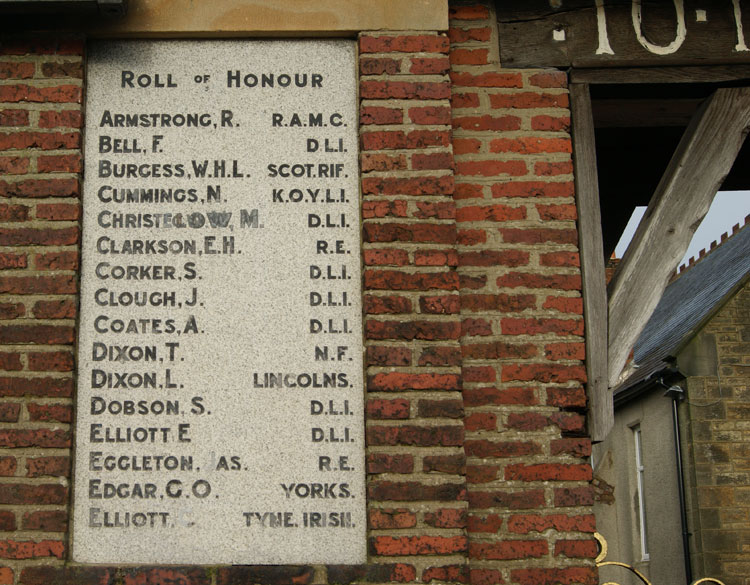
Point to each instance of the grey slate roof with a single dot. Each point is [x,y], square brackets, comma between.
[689,302]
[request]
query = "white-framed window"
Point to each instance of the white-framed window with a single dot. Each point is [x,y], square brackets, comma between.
[639,474]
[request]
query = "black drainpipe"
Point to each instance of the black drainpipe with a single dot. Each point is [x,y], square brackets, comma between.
[677,394]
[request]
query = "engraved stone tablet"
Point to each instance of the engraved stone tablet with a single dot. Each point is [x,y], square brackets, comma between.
[220,388]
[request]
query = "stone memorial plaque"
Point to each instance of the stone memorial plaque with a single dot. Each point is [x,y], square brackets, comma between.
[220,387]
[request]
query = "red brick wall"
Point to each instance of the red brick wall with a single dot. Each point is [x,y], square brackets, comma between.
[475,435]
[530,516]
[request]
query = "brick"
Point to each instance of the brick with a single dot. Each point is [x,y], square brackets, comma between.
[387,463]
[564,304]
[469,12]
[385,257]
[527,421]
[565,259]
[553,169]
[486,396]
[64,309]
[394,280]
[451,573]
[51,361]
[7,524]
[21,550]
[52,466]
[417,545]
[551,79]
[383,355]
[62,163]
[446,518]
[379,66]
[381,409]
[577,447]
[548,472]
[429,65]
[529,100]
[464,100]
[566,397]
[503,302]
[39,237]
[50,412]
[489,79]
[469,56]
[10,260]
[491,168]
[29,93]
[398,381]
[435,258]
[497,212]
[43,438]
[409,330]
[431,162]
[440,409]
[11,311]
[440,356]
[8,466]
[440,305]
[489,524]
[486,122]
[569,422]
[414,491]
[533,189]
[371,573]
[422,90]
[45,521]
[577,549]
[566,576]
[435,210]
[10,361]
[404,44]
[543,373]
[16,70]
[50,387]
[562,327]
[452,464]
[14,117]
[466,146]
[557,212]
[579,496]
[61,119]
[373,209]
[66,260]
[387,304]
[382,162]
[65,575]
[486,577]
[409,232]
[383,139]
[498,350]
[508,550]
[428,138]
[494,258]
[15,494]
[391,518]
[464,35]
[565,351]
[13,213]
[41,140]
[438,115]
[545,123]
[526,523]
[40,188]
[507,500]
[477,474]
[14,165]
[486,448]
[475,327]
[471,237]
[235,575]
[56,284]
[531,145]
[481,421]
[479,374]
[422,185]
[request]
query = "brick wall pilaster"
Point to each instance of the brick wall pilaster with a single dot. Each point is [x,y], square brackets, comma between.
[40,161]
[530,500]
[417,495]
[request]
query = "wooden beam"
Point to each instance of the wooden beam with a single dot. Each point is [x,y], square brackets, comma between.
[601,416]
[702,160]
[698,74]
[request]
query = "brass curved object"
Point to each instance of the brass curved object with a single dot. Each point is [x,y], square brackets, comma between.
[600,562]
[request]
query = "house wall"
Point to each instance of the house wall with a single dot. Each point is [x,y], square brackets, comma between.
[476,442]
[718,436]
[618,518]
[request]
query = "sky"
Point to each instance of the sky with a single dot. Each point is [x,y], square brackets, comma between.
[728,209]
